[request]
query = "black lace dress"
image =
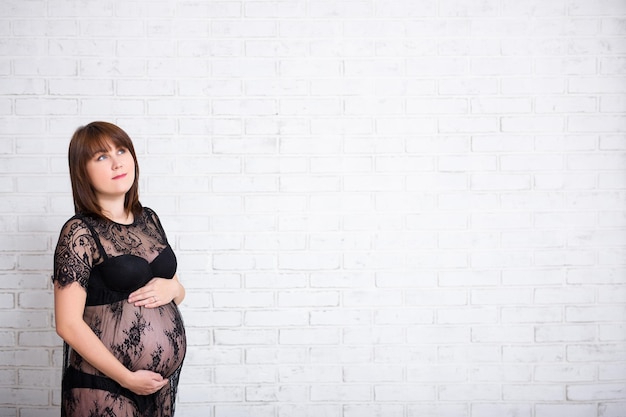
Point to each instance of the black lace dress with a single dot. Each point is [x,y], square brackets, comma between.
[111,260]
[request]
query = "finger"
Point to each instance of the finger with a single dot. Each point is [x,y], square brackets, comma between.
[144,301]
[151,302]
[136,295]
[142,294]
[160,384]
[149,287]
[158,377]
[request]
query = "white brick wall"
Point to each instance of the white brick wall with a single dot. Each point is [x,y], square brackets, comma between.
[394,208]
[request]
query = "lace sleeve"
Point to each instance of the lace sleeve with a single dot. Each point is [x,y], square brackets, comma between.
[76,253]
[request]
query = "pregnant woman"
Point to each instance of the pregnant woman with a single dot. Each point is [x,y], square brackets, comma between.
[115,288]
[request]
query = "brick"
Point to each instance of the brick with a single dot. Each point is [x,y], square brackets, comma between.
[565,373]
[500,409]
[555,65]
[563,295]
[601,275]
[438,334]
[531,314]
[532,124]
[238,300]
[595,392]
[533,354]
[281,393]
[369,67]
[560,257]
[469,278]
[35,357]
[344,392]
[491,182]
[506,66]
[535,85]
[595,123]
[26,396]
[438,409]
[376,373]
[473,86]
[443,181]
[484,315]
[566,105]
[524,201]
[275,318]
[308,299]
[437,374]
[373,335]
[308,107]
[498,143]
[497,373]
[343,279]
[244,336]
[409,354]
[574,410]
[408,316]
[399,241]
[606,7]
[310,69]
[467,163]
[379,28]
[593,313]
[500,105]
[610,372]
[317,373]
[535,392]
[338,354]
[612,409]
[597,85]
[308,147]
[402,393]
[309,410]
[564,181]
[474,392]
[275,355]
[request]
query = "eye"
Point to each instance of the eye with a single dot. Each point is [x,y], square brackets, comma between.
[101,157]
[121,151]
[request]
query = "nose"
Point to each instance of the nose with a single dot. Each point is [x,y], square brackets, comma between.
[116,162]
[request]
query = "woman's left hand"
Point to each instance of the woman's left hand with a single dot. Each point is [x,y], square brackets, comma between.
[157,292]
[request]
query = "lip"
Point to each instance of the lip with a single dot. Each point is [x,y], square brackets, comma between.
[119,177]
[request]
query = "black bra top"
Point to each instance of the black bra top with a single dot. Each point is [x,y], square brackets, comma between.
[115,278]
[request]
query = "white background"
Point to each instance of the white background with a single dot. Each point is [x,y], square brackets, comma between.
[394,208]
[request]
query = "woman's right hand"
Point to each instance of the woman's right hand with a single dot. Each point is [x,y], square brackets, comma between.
[144,382]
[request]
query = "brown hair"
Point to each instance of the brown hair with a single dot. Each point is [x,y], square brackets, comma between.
[86,141]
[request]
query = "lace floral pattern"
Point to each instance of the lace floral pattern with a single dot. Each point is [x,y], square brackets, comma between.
[109,261]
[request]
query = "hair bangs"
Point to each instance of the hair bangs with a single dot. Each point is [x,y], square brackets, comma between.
[103,139]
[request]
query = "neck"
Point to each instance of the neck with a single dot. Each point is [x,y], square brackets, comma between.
[115,211]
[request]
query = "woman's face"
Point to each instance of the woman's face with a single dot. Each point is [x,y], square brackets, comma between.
[111,171]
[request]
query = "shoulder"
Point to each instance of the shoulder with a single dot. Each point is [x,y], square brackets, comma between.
[151,217]
[77,225]
[74,223]
[148,213]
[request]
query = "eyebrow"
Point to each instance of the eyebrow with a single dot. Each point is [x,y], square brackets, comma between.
[98,151]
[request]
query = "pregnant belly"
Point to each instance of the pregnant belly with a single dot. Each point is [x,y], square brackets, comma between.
[142,338]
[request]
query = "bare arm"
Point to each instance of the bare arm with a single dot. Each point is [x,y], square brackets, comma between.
[69,303]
